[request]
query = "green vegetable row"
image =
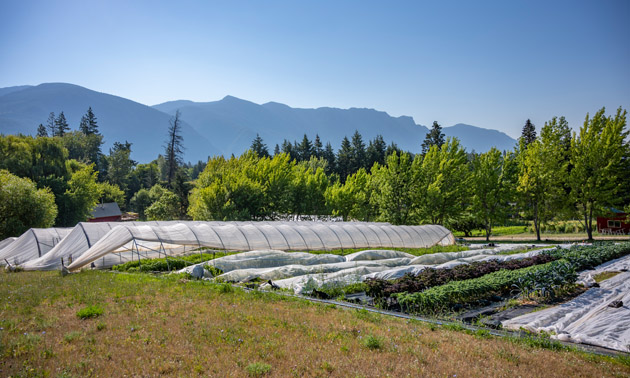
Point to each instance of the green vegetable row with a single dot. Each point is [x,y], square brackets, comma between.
[541,278]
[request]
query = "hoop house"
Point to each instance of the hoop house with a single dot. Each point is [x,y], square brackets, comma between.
[32,244]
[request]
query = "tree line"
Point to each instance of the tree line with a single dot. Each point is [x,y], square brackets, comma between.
[554,175]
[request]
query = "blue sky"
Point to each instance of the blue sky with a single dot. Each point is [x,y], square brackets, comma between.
[487,63]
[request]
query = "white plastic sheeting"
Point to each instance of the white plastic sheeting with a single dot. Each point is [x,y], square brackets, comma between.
[32,244]
[294,270]
[295,236]
[587,319]
[356,267]
[86,234]
[4,243]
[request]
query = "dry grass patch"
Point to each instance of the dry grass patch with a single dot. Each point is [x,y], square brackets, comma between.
[163,326]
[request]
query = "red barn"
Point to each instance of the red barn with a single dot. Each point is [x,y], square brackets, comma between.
[616,224]
[106,212]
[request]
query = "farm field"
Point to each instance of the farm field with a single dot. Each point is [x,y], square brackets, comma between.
[101,323]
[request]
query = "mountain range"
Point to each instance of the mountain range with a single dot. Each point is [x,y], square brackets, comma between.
[225,127]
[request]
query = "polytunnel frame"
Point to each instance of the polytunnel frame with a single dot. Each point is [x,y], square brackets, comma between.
[327,230]
[162,249]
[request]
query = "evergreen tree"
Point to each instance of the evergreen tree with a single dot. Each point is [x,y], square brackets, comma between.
[61,125]
[174,148]
[376,151]
[259,147]
[344,159]
[329,156]
[359,158]
[288,149]
[92,126]
[318,148]
[276,151]
[50,124]
[528,136]
[435,137]
[392,149]
[41,131]
[305,149]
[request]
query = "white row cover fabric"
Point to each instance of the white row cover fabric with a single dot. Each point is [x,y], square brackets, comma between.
[384,264]
[32,244]
[86,234]
[587,319]
[4,243]
[294,270]
[292,236]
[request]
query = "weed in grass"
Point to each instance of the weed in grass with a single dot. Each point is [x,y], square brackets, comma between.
[369,316]
[604,276]
[47,353]
[483,334]
[90,312]
[22,346]
[453,327]
[258,369]
[373,342]
[101,326]
[508,356]
[327,367]
[71,336]
[225,288]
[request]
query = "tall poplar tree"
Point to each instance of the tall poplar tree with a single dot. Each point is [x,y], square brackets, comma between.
[598,167]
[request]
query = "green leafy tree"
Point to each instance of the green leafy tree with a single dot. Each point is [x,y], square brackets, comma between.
[597,158]
[542,172]
[492,186]
[120,165]
[444,179]
[111,193]
[164,204]
[353,198]
[81,194]
[435,137]
[23,206]
[140,202]
[398,188]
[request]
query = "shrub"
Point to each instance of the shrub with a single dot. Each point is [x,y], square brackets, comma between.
[373,342]
[258,369]
[90,312]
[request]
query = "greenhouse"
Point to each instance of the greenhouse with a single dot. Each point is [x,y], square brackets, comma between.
[167,239]
[32,244]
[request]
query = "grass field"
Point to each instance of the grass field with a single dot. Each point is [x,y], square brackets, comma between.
[99,323]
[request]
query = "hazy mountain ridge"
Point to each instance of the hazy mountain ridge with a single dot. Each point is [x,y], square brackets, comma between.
[236,122]
[119,119]
[226,127]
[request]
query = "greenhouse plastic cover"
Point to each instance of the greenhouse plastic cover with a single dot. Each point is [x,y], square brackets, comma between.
[86,234]
[588,319]
[4,243]
[32,244]
[294,236]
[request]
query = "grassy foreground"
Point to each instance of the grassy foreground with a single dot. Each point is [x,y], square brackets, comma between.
[114,325]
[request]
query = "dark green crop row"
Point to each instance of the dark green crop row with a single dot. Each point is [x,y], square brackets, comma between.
[543,279]
[162,265]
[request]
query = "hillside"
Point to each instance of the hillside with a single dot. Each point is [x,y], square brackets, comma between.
[226,127]
[119,119]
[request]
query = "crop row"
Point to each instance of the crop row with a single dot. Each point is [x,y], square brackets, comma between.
[382,290]
[164,264]
[544,280]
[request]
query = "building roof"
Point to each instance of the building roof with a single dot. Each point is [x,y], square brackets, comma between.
[103,210]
